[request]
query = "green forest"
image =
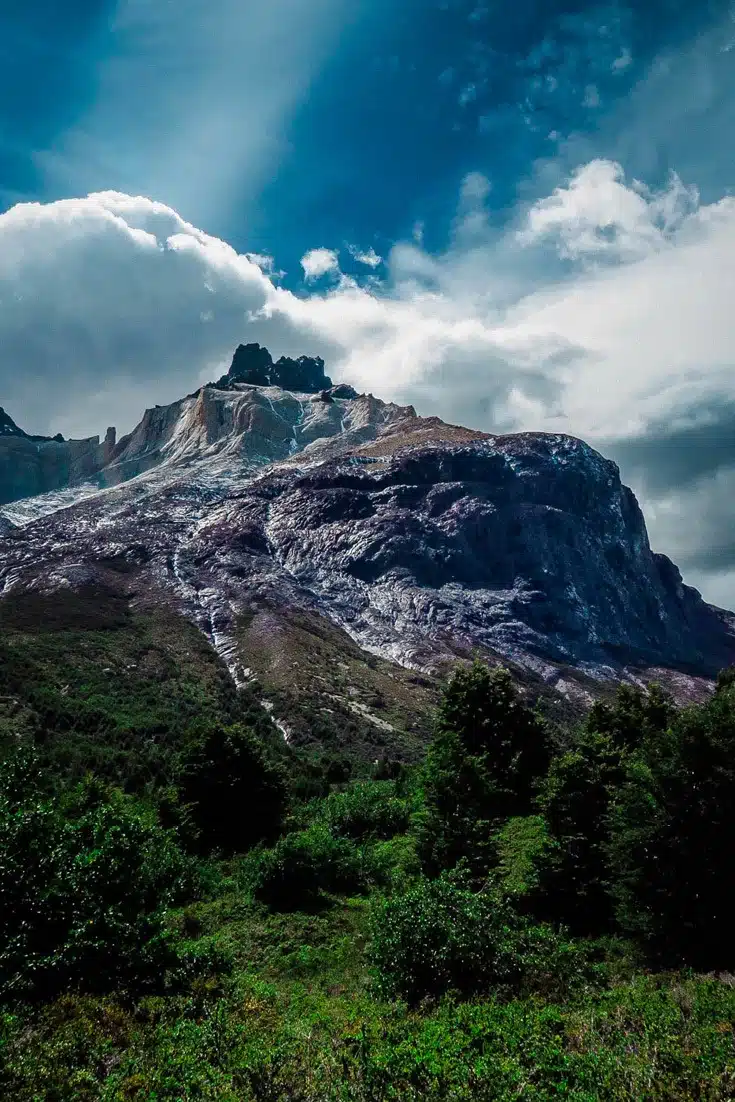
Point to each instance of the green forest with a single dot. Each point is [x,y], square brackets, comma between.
[192,909]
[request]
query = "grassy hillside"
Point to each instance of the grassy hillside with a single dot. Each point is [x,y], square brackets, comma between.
[329,691]
[192,908]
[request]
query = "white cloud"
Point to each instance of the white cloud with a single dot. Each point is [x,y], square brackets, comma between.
[319,262]
[623,61]
[368,257]
[606,313]
[103,304]
[598,214]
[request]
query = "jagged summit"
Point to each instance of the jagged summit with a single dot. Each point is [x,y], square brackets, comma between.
[8,426]
[254,366]
[260,411]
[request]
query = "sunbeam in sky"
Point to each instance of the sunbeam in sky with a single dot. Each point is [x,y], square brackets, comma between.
[194,101]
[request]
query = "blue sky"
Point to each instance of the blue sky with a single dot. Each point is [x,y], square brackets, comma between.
[515,216]
[284,126]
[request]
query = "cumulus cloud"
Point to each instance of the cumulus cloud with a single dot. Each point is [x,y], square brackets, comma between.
[597,213]
[112,303]
[319,262]
[605,312]
[623,61]
[368,257]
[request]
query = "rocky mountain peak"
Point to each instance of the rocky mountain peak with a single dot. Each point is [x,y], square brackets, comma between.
[250,364]
[8,426]
[253,365]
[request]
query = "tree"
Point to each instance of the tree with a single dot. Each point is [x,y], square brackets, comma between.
[672,838]
[725,679]
[238,794]
[575,801]
[481,769]
[576,797]
[632,715]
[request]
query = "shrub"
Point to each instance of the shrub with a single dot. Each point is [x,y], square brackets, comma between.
[85,886]
[365,810]
[301,865]
[394,863]
[442,936]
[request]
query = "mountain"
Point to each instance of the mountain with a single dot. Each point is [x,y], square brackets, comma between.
[8,426]
[342,552]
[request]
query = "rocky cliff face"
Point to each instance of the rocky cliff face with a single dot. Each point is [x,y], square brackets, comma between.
[243,427]
[31,465]
[418,541]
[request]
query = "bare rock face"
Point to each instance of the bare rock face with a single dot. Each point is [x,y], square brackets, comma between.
[528,545]
[239,430]
[420,540]
[31,465]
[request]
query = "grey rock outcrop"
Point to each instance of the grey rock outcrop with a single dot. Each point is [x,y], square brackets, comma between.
[31,465]
[253,366]
[8,426]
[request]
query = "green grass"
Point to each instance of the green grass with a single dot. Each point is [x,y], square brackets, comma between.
[107,688]
[296,1019]
[332,693]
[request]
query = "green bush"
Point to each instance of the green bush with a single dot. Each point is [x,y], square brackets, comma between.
[302,865]
[86,883]
[441,936]
[654,1040]
[366,810]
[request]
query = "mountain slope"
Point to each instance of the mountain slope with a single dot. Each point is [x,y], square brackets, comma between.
[344,551]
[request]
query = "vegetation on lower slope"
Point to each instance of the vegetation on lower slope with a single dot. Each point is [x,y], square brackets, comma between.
[192,909]
[332,693]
